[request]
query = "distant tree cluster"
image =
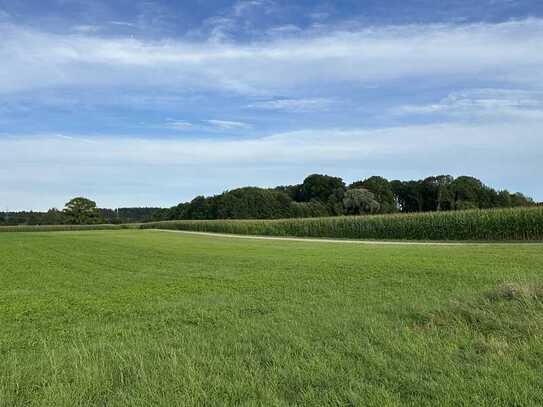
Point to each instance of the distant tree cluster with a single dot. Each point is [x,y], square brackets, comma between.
[78,211]
[323,195]
[128,215]
[318,195]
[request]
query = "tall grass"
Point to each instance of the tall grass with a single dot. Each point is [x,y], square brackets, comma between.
[519,224]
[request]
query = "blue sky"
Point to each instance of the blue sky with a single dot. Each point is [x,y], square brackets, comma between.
[149,103]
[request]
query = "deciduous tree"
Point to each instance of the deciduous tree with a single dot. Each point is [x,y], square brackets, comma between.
[82,211]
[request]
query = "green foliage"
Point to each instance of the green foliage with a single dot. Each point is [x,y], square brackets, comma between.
[129,215]
[82,211]
[465,205]
[382,191]
[519,199]
[51,217]
[56,217]
[321,187]
[293,191]
[67,228]
[408,195]
[200,208]
[313,209]
[253,203]
[359,201]
[504,200]
[242,203]
[519,224]
[334,202]
[319,195]
[436,193]
[447,193]
[467,192]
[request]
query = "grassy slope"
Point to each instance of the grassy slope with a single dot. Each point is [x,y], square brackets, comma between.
[150,318]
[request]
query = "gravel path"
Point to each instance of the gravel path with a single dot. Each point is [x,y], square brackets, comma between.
[345,241]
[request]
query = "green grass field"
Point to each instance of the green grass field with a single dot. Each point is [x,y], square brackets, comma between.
[139,318]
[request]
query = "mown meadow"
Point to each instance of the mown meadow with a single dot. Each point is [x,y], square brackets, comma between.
[144,317]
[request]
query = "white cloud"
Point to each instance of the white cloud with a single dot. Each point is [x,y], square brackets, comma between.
[295,105]
[284,30]
[506,52]
[179,125]
[62,136]
[242,7]
[228,125]
[37,170]
[235,20]
[123,23]
[484,103]
[86,29]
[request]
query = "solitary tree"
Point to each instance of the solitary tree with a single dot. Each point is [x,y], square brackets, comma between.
[81,211]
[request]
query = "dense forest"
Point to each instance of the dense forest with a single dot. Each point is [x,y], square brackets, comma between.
[323,195]
[318,195]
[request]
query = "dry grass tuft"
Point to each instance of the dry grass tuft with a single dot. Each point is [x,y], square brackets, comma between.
[518,291]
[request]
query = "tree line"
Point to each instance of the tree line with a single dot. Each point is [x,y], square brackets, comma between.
[78,211]
[318,195]
[324,195]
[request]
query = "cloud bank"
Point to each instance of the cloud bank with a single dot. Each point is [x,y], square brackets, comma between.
[511,52]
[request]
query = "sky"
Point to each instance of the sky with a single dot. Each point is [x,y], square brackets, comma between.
[151,103]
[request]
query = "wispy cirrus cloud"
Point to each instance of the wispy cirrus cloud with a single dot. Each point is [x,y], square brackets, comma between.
[239,18]
[509,52]
[86,29]
[212,124]
[123,23]
[502,104]
[242,7]
[179,125]
[228,124]
[295,105]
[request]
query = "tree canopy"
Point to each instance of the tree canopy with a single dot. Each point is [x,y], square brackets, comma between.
[382,191]
[318,195]
[81,211]
[359,201]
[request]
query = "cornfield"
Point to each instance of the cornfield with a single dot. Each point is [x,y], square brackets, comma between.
[518,224]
